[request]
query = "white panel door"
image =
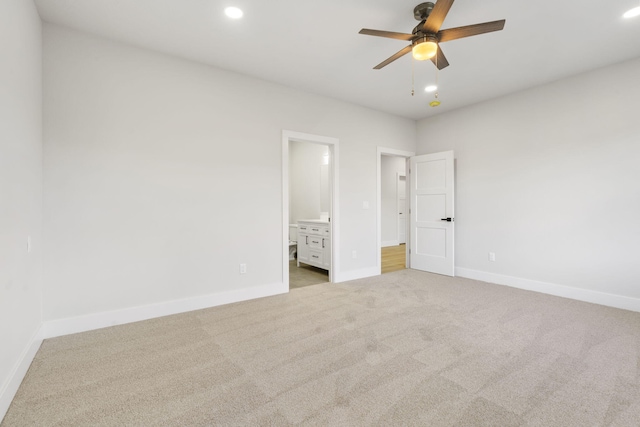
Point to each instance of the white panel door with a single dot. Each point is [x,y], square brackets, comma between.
[432,213]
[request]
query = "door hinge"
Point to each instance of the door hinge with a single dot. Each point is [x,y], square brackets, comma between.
[409,251]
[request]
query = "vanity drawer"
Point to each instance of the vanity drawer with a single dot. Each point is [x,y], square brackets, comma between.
[315,242]
[315,257]
[316,230]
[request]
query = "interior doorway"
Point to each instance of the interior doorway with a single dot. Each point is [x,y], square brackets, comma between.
[401,206]
[309,214]
[393,235]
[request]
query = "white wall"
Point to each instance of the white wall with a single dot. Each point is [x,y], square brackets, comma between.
[162,175]
[305,180]
[390,167]
[548,179]
[20,191]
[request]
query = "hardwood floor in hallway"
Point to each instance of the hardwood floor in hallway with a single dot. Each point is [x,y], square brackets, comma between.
[394,258]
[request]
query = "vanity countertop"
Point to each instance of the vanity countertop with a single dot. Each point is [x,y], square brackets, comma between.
[315,221]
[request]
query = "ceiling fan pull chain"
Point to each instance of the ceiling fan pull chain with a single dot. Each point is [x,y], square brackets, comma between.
[437,72]
[436,102]
[412,76]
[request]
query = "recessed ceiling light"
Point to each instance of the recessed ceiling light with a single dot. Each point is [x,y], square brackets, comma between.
[632,13]
[233,12]
[431,88]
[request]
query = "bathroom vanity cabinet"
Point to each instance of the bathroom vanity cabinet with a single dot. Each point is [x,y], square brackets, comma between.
[314,243]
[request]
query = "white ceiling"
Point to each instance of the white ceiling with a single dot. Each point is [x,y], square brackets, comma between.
[315,46]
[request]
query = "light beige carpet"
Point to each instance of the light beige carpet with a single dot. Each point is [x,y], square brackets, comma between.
[407,348]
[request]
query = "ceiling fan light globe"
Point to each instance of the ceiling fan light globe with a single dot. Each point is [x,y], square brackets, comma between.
[425,50]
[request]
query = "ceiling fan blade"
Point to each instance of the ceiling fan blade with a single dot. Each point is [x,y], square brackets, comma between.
[436,18]
[393,57]
[441,61]
[388,34]
[470,30]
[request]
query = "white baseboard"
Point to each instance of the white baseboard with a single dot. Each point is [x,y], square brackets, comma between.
[55,328]
[595,297]
[10,387]
[388,243]
[345,276]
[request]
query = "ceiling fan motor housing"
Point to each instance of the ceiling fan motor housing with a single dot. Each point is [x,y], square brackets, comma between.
[425,38]
[423,10]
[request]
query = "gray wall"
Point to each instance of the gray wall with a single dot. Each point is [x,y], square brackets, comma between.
[548,179]
[162,175]
[20,190]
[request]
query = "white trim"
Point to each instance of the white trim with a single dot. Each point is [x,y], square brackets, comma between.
[307,137]
[334,225]
[55,328]
[10,387]
[394,152]
[388,243]
[586,295]
[388,152]
[357,274]
[285,207]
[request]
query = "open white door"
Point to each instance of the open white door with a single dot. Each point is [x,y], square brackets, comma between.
[432,213]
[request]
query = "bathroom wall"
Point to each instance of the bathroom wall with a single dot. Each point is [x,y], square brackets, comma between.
[308,181]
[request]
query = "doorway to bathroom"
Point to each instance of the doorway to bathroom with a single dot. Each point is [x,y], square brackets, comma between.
[310,225]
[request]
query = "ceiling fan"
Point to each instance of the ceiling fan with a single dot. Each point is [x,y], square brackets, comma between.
[426,36]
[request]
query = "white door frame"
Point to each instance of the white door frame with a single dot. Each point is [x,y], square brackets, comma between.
[387,152]
[332,143]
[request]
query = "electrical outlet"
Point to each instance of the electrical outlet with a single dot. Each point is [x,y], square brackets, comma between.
[354,254]
[492,256]
[243,268]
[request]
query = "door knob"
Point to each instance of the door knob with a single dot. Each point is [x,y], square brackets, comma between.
[446,219]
